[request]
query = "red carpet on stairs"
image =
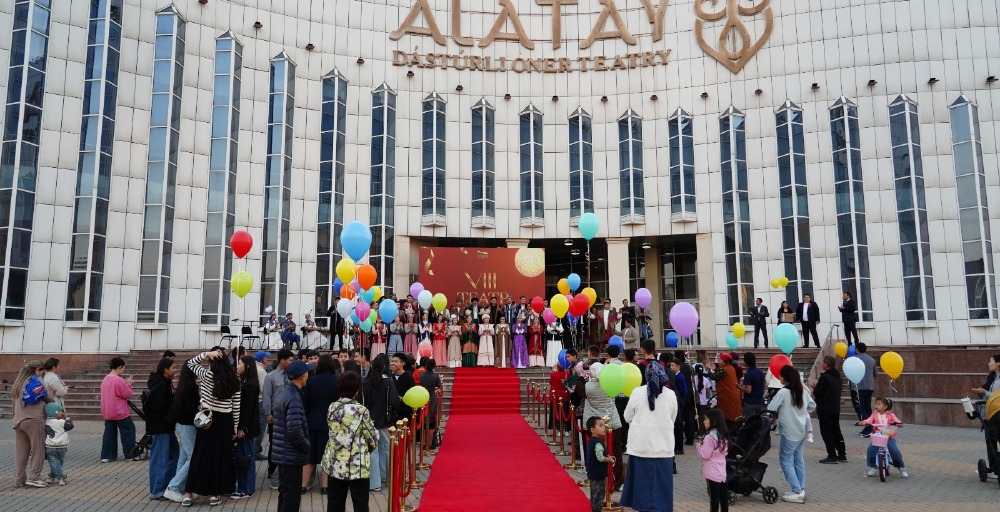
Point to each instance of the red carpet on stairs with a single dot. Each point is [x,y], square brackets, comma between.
[491,459]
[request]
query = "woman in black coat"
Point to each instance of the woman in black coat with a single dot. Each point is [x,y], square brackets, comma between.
[248,429]
[163,450]
[379,395]
[319,393]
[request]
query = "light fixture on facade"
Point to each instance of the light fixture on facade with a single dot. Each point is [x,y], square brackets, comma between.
[704,95]
[360,61]
[459,88]
[991,79]
[604,99]
[310,47]
[575,252]
[758,92]
[409,74]
[202,2]
[932,81]
[555,99]
[506,97]
[646,245]
[568,242]
[653,97]
[258,25]
[872,83]
[815,86]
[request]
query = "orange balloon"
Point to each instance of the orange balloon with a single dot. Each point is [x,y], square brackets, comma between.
[366,275]
[347,292]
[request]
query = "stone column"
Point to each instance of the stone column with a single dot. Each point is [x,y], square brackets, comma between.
[654,283]
[618,270]
[706,290]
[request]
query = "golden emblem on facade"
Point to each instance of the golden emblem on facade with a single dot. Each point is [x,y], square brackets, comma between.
[736,46]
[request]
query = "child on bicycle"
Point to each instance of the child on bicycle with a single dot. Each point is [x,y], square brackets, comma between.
[883,421]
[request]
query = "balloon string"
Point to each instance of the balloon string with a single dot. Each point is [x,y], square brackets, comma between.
[893,387]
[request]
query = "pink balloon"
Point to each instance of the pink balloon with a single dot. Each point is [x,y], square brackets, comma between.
[683,318]
[363,310]
[643,298]
[425,349]
[355,285]
[548,316]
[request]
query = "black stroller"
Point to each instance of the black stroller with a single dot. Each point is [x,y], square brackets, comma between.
[750,442]
[991,430]
[141,449]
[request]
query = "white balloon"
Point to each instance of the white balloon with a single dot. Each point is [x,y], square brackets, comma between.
[344,308]
[268,310]
[854,369]
[425,298]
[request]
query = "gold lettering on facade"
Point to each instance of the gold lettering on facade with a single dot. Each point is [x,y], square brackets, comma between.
[598,32]
[507,13]
[531,64]
[656,16]
[420,8]
[456,25]
[735,46]
[556,18]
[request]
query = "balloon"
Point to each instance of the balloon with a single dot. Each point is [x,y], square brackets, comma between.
[617,341]
[632,378]
[559,305]
[683,317]
[346,292]
[415,289]
[672,339]
[537,304]
[241,242]
[591,296]
[366,275]
[356,285]
[786,337]
[377,290]
[425,349]
[374,317]
[439,301]
[416,397]
[732,342]
[241,283]
[840,349]
[337,283]
[354,317]
[643,298]
[367,296]
[362,309]
[563,286]
[738,329]
[356,238]
[345,270]
[563,360]
[852,351]
[784,281]
[366,326]
[854,369]
[549,316]
[580,305]
[344,309]
[388,310]
[892,364]
[612,379]
[425,299]
[588,225]
[574,282]
[775,282]
[778,361]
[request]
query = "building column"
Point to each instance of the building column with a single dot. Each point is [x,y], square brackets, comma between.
[706,289]
[517,243]
[403,257]
[618,270]
[654,283]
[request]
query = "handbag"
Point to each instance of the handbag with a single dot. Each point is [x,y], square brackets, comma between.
[203,418]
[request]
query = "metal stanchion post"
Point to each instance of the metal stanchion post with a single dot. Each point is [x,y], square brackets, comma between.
[562,430]
[550,420]
[424,442]
[609,441]
[417,423]
[405,451]
[391,483]
[573,453]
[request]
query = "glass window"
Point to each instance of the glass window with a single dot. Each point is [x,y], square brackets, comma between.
[630,164]
[383,183]
[531,163]
[736,217]
[794,199]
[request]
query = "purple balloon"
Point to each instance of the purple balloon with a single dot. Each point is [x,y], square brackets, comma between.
[356,285]
[549,316]
[363,310]
[416,288]
[643,298]
[683,318]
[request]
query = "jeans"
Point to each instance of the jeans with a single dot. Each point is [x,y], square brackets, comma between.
[598,490]
[56,456]
[289,487]
[185,436]
[718,496]
[259,440]
[793,464]
[380,461]
[163,453]
[894,454]
[109,445]
[246,482]
[337,499]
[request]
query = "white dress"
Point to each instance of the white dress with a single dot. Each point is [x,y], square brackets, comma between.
[272,336]
[553,343]
[486,357]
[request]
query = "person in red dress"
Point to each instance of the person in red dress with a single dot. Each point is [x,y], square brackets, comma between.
[440,336]
[536,352]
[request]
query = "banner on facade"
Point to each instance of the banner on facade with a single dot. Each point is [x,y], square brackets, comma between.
[465,272]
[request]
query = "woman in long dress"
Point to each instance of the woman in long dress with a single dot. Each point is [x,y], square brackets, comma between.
[410,336]
[519,355]
[454,343]
[470,350]
[502,344]
[554,343]
[395,337]
[379,336]
[486,331]
[536,354]
[440,341]
[426,329]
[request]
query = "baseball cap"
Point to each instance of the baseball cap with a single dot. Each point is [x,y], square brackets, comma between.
[296,369]
[261,355]
[52,408]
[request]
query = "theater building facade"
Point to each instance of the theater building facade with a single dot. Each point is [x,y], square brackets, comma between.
[846,145]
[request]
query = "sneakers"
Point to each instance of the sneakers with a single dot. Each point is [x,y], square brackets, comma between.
[173,495]
[274,485]
[214,501]
[871,472]
[903,473]
[187,502]
[105,461]
[794,497]
[62,482]
[239,496]
[828,460]
[842,460]
[36,483]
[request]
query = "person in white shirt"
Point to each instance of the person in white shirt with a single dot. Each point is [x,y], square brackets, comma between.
[57,427]
[650,413]
[54,385]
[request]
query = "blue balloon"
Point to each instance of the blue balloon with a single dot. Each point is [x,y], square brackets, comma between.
[388,310]
[616,341]
[367,295]
[354,317]
[672,339]
[732,342]
[574,282]
[563,360]
[588,225]
[572,319]
[337,284]
[786,336]
[356,238]
[852,350]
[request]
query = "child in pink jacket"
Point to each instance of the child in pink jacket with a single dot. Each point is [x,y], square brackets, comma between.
[883,421]
[712,449]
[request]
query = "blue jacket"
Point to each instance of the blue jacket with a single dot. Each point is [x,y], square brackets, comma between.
[290,445]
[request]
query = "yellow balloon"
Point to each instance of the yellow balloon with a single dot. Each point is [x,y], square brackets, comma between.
[345,271]
[841,349]
[590,294]
[563,286]
[738,329]
[892,364]
[377,294]
[784,281]
[775,282]
[241,283]
[559,304]
[439,301]
[416,397]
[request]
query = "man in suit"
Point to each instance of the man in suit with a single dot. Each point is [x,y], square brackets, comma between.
[759,315]
[493,309]
[509,311]
[475,309]
[849,315]
[610,318]
[807,313]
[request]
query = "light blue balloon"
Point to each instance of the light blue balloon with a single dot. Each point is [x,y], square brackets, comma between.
[616,341]
[854,369]
[732,342]
[588,225]
[388,310]
[367,295]
[356,238]
[672,339]
[786,337]
[354,318]
[574,282]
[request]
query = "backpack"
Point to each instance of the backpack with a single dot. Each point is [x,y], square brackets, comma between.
[34,391]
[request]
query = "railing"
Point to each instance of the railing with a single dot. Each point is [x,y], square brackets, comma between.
[409,441]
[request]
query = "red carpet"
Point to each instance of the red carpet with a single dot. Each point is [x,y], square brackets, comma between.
[491,459]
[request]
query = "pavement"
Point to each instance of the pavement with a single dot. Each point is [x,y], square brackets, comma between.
[941,460]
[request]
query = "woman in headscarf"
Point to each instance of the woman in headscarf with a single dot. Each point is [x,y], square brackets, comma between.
[728,390]
[650,413]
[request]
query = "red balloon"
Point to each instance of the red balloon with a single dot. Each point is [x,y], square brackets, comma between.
[241,242]
[346,292]
[579,305]
[538,305]
[425,348]
[778,361]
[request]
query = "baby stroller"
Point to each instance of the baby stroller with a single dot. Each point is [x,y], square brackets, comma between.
[744,470]
[991,430]
[141,449]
